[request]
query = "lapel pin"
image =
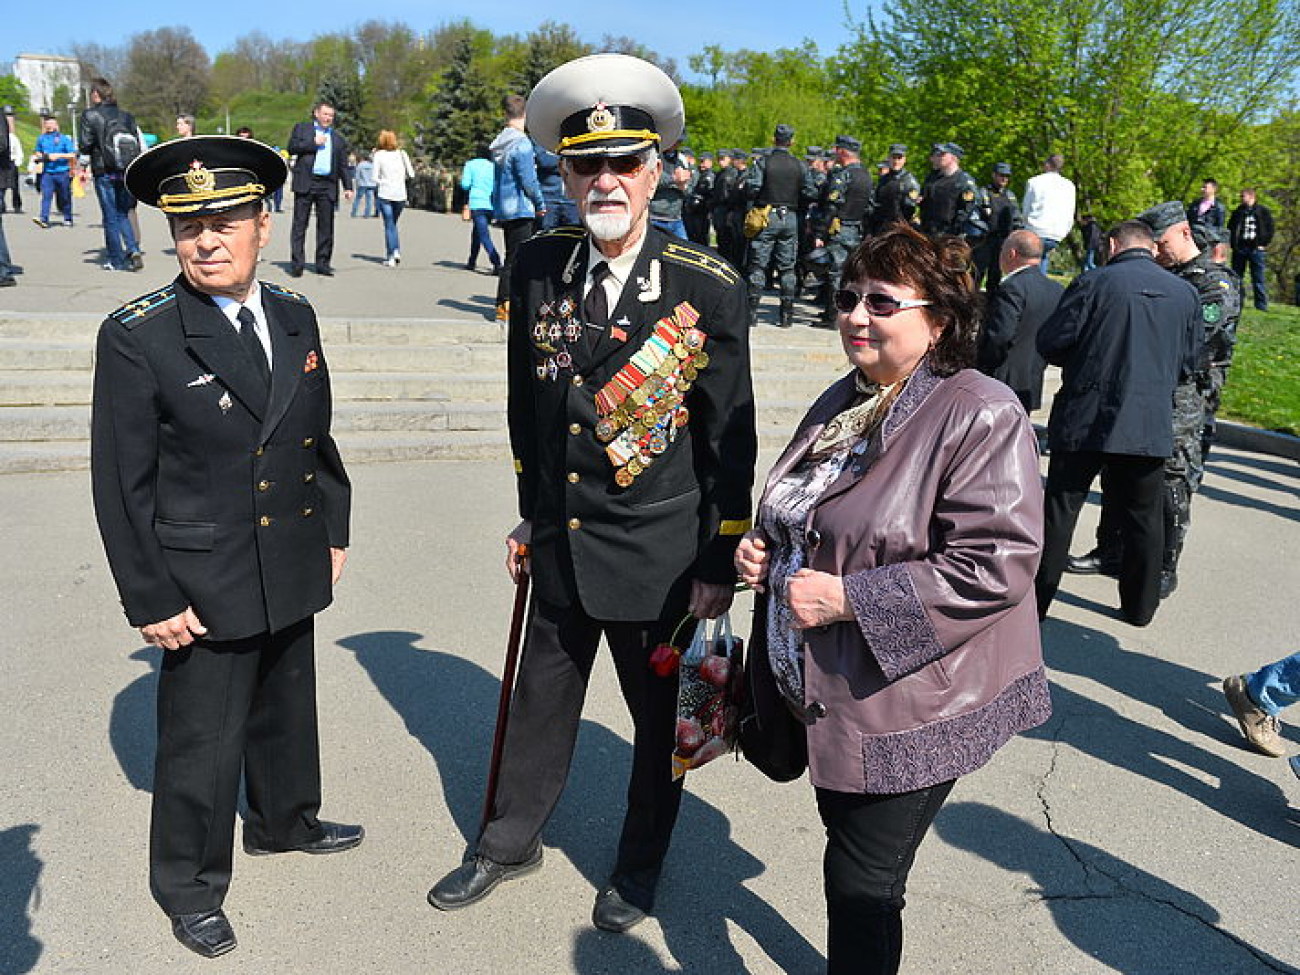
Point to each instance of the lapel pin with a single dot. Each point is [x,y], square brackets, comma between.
[203,380]
[225,402]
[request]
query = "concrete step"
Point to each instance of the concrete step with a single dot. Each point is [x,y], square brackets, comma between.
[42,356]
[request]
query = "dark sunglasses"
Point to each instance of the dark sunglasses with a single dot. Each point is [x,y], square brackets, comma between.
[878,304]
[618,165]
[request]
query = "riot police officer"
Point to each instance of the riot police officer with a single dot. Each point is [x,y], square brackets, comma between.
[699,202]
[846,205]
[950,196]
[897,193]
[1001,212]
[781,183]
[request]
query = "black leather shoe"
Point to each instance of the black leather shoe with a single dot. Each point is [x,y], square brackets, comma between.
[1168,583]
[336,838]
[295,272]
[324,271]
[476,878]
[207,933]
[612,913]
[1092,564]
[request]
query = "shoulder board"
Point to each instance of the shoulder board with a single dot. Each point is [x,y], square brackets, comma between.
[677,252]
[280,291]
[134,312]
[567,232]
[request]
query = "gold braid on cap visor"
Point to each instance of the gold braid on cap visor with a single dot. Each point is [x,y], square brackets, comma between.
[645,135]
[189,202]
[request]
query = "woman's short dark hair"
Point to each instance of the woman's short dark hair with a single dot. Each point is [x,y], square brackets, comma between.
[938,269]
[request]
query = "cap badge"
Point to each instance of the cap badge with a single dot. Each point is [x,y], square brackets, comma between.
[601,119]
[200,179]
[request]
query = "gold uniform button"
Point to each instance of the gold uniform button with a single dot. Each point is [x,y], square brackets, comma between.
[573,477]
[259,451]
[309,441]
[575,428]
[309,477]
[263,485]
[577,380]
[574,524]
[307,512]
[264,521]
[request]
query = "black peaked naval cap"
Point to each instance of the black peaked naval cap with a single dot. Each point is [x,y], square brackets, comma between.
[205,174]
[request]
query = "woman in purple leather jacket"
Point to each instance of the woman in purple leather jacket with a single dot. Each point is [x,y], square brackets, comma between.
[896,547]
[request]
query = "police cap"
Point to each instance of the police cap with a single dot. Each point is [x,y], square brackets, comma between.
[848,143]
[1002,169]
[205,174]
[898,149]
[951,147]
[814,152]
[605,104]
[726,153]
[1162,216]
[783,134]
[739,154]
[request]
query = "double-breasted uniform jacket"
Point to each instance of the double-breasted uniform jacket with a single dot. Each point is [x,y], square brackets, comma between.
[936,531]
[620,551]
[208,491]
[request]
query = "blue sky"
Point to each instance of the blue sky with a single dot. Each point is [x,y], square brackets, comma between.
[676,29]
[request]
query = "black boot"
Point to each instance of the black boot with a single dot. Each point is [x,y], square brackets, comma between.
[787,313]
[753,311]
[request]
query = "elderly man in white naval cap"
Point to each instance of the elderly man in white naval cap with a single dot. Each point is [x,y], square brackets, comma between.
[632,425]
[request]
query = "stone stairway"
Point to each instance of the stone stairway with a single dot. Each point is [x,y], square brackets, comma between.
[403,388]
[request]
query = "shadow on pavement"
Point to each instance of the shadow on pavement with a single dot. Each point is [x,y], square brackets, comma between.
[1186,696]
[19,893]
[449,705]
[1124,917]
[133,722]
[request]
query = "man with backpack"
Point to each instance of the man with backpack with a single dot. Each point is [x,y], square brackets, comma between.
[110,137]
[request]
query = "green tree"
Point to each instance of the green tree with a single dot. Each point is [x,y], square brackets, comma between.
[343,90]
[464,110]
[167,74]
[548,47]
[13,92]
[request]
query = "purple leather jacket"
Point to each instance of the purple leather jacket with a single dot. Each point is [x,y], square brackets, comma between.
[937,532]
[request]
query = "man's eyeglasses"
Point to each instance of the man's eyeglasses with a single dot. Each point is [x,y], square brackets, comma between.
[878,304]
[618,165]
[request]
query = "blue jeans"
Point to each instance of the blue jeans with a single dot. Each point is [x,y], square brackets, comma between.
[115,205]
[1049,245]
[6,262]
[675,227]
[368,194]
[56,187]
[481,236]
[390,210]
[1255,258]
[1276,686]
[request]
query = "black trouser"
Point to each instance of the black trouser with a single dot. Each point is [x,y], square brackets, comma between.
[871,842]
[224,707]
[515,233]
[558,655]
[322,196]
[1137,484]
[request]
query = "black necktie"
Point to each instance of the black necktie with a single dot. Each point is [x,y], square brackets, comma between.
[595,308]
[253,345]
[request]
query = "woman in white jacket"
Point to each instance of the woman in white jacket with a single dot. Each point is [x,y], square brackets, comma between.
[392,170]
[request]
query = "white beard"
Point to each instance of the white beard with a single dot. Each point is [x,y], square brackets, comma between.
[608,226]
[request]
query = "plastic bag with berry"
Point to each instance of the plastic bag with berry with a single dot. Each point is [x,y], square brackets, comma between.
[709,691]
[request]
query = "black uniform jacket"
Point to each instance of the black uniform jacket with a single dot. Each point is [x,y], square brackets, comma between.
[208,492]
[1122,335]
[1007,349]
[619,551]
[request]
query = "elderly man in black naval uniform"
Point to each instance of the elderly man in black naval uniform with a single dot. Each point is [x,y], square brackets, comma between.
[632,423]
[223,508]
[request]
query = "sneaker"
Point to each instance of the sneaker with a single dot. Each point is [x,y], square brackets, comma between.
[1261,729]
[8,281]
[43,224]
[135,261]
[397,258]
[110,266]
[389,262]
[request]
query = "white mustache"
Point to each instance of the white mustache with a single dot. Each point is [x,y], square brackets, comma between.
[616,195]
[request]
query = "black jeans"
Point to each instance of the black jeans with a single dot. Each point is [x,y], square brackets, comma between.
[516,232]
[871,842]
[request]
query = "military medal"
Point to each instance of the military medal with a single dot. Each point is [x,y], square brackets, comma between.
[225,402]
[563,359]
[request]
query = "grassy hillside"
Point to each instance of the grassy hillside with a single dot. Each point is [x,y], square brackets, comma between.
[1264,383]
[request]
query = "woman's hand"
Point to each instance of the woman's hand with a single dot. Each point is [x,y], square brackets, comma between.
[817,598]
[752,560]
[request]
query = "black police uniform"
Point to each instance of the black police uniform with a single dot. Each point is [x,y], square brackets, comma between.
[846,207]
[214,492]
[950,204]
[783,183]
[695,211]
[897,196]
[1001,215]
[723,192]
[615,547]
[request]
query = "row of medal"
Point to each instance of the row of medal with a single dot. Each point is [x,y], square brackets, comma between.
[550,331]
[642,406]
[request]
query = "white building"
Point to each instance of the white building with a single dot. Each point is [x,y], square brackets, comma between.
[43,74]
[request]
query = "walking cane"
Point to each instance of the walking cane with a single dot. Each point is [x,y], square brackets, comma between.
[507,685]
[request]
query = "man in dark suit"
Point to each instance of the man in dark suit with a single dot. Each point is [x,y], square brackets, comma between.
[1017,307]
[632,424]
[319,166]
[223,507]
[1122,335]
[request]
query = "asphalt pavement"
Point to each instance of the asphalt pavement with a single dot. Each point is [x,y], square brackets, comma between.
[1133,833]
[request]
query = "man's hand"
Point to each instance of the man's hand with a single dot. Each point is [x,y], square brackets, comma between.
[174,633]
[709,600]
[752,560]
[338,559]
[817,598]
[348,194]
[517,543]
